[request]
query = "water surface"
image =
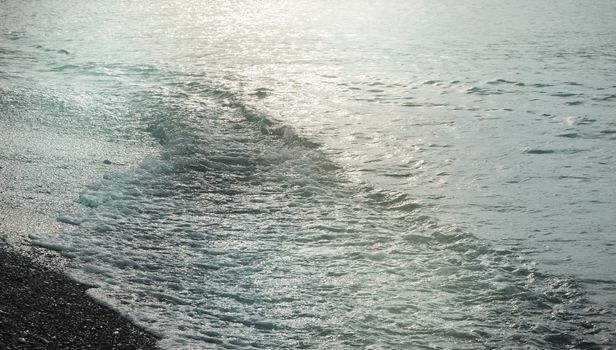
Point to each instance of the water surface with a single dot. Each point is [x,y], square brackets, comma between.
[305,174]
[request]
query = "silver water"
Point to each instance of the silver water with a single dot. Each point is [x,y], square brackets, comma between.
[428,174]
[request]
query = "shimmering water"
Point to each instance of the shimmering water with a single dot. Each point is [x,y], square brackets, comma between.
[396,174]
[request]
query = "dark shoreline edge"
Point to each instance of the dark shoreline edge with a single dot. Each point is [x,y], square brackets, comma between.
[41,308]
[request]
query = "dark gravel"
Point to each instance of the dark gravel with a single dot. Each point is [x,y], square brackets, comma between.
[43,309]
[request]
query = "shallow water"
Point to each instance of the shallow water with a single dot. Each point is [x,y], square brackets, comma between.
[391,175]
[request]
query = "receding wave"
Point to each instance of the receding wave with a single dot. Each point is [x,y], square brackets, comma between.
[243,234]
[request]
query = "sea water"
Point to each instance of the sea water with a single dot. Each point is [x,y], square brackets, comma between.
[309,174]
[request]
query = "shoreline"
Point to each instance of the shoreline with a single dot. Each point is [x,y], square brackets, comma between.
[41,308]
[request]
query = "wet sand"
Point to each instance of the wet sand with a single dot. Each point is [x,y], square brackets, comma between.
[41,308]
